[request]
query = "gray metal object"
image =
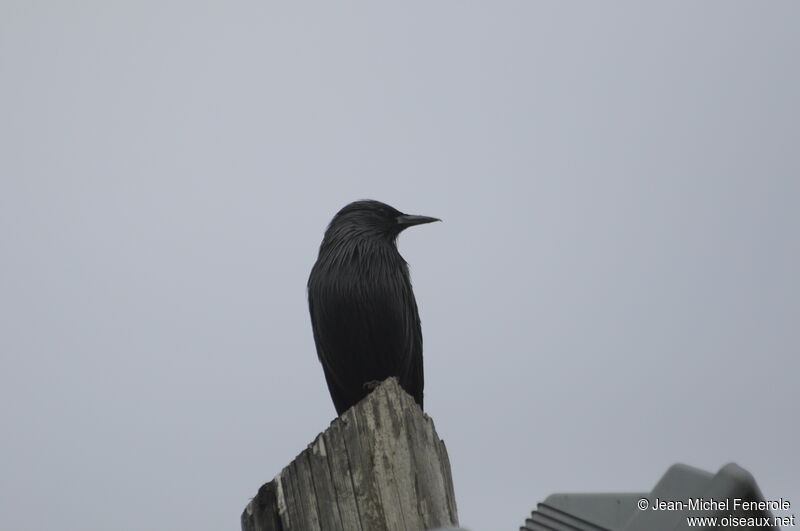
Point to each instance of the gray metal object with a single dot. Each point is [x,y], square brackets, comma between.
[683,492]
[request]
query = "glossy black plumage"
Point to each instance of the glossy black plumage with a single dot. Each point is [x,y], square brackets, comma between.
[363,312]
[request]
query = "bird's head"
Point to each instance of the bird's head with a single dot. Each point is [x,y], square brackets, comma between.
[368,218]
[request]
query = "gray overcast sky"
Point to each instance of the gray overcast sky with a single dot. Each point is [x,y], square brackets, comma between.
[614,287]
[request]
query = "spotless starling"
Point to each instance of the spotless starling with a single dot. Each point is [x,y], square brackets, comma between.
[363,312]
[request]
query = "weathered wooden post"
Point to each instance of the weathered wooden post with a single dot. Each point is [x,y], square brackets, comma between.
[380,466]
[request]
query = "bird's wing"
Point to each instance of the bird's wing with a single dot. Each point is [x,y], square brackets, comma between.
[416,376]
[339,365]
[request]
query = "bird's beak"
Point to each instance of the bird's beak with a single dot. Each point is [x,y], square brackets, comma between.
[407,220]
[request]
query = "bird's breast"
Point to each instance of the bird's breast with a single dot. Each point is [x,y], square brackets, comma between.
[359,287]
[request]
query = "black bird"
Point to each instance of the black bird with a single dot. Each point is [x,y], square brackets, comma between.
[363,311]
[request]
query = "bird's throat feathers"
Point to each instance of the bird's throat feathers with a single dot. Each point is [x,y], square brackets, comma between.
[354,245]
[361,244]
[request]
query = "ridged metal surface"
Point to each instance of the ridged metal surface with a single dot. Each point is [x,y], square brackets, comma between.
[548,518]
